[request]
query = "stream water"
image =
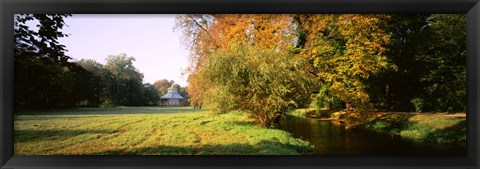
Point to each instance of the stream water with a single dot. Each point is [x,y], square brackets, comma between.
[332,139]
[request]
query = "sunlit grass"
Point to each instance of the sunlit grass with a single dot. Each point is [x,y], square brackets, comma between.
[440,128]
[147,131]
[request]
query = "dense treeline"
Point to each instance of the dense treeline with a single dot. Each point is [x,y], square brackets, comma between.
[46,78]
[267,64]
[117,82]
[41,65]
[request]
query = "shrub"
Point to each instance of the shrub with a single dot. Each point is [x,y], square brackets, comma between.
[418,103]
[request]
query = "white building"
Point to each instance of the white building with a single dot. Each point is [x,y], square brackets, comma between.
[172,98]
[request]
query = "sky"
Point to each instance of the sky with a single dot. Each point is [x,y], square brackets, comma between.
[158,50]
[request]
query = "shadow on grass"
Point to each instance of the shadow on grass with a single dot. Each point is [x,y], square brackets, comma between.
[261,148]
[404,125]
[453,134]
[45,135]
[116,110]
[391,122]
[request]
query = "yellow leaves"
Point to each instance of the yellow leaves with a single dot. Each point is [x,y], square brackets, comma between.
[342,50]
[274,31]
[346,50]
[210,33]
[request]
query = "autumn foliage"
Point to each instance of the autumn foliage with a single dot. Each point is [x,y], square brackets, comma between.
[265,65]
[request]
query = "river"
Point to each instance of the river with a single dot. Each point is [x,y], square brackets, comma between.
[331,139]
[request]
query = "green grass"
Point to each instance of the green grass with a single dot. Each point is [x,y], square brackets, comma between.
[148,131]
[439,128]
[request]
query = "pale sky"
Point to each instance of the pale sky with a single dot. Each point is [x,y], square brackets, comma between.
[150,39]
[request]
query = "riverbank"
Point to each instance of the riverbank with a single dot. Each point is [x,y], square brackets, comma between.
[148,131]
[430,127]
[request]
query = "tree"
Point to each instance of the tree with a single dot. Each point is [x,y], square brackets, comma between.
[128,80]
[429,52]
[151,96]
[345,50]
[100,82]
[196,89]
[393,89]
[43,76]
[205,34]
[163,85]
[186,97]
[260,81]
[444,61]
[103,85]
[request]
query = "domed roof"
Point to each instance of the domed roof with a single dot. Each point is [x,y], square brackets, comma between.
[172,94]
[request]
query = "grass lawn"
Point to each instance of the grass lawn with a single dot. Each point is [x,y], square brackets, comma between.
[148,131]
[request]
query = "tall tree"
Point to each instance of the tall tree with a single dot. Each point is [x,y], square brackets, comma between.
[393,89]
[206,34]
[43,76]
[444,61]
[429,52]
[151,96]
[345,51]
[100,82]
[128,80]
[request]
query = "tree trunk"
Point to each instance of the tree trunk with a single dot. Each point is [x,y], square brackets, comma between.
[348,106]
[387,99]
[276,120]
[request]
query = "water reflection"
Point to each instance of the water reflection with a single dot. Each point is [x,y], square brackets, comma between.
[331,139]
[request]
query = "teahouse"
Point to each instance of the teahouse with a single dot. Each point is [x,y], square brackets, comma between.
[172,98]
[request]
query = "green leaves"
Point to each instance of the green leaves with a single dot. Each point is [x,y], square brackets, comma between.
[444,60]
[254,79]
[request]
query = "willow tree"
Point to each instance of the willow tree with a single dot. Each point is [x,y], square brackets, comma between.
[243,62]
[257,80]
[206,34]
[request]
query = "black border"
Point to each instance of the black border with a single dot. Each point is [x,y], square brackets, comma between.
[10,7]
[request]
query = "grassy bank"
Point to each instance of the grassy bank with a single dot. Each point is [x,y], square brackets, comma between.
[433,127]
[147,131]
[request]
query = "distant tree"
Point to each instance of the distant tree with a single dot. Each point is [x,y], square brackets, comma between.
[128,80]
[197,85]
[176,86]
[100,82]
[151,95]
[186,97]
[163,85]
[124,87]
